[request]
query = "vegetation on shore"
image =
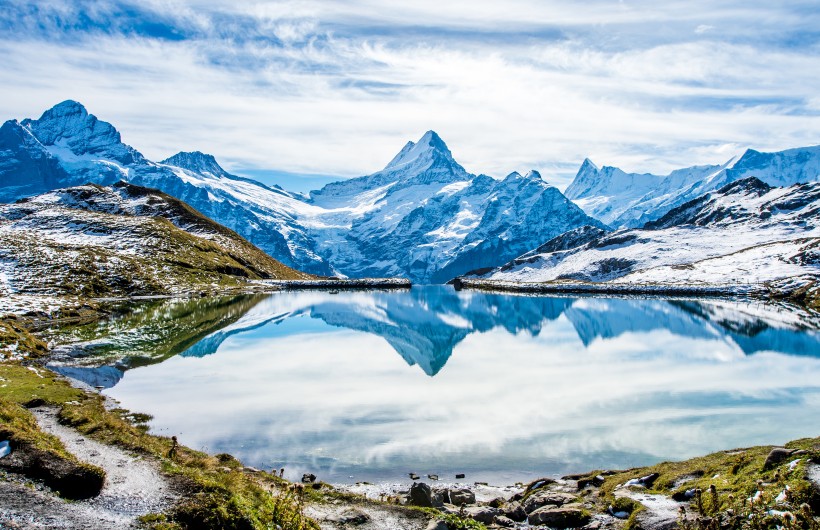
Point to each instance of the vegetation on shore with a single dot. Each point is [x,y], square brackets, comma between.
[221,492]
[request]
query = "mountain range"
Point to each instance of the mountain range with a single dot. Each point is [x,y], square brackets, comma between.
[423,216]
[426,218]
[629,200]
[747,232]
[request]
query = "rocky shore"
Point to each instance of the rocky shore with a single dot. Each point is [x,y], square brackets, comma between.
[340,284]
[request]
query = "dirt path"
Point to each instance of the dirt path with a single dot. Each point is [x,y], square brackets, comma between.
[133,487]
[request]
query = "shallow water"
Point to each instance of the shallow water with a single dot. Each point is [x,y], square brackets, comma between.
[369,386]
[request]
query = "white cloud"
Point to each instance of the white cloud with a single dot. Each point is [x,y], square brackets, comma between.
[539,85]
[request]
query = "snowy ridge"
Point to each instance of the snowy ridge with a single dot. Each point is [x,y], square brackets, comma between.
[622,199]
[744,234]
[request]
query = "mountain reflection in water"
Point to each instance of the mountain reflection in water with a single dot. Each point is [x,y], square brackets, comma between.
[536,384]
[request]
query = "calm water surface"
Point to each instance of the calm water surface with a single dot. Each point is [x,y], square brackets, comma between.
[373,385]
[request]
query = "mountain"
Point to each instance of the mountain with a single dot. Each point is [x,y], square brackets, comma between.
[67,146]
[423,216]
[622,199]
[746,232]
[121,240]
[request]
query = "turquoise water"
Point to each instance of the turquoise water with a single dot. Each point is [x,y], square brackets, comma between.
[368,386]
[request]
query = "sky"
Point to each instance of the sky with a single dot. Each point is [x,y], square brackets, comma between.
[304,92]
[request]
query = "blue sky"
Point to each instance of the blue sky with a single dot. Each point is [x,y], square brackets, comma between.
[334,89]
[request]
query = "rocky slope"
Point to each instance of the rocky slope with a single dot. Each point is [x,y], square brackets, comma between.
[423,216]
[121,240]
[747,232]
[622,199]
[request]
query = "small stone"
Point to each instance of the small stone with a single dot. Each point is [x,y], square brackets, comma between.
[437,524]
[307,478]
[460,476]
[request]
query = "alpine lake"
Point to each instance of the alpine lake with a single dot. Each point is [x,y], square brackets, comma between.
[372,385]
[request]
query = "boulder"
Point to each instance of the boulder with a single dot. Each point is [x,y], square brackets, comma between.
[421,495]
[514,511]
[459,496]
[437,524]
[572,516]
[482,514]
[503,520]
[776,457]
[546,498]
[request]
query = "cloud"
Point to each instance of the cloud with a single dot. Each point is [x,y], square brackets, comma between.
[329,88]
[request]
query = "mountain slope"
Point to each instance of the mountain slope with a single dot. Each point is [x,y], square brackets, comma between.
[745,232]
[629,200]
[67,146]
[121,240]
[423,216]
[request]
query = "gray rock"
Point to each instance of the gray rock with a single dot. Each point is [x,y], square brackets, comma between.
[503,520]
[546,498]
[776,457]
[482,514]
[559,517]
[459,496]
[439,497]
[515,511]
[421,495]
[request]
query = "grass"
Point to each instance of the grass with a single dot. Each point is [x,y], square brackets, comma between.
[734,488]
[222,494]
[15,337]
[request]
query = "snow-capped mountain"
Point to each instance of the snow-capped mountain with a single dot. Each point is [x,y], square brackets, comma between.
[423,216]
[622,199]
[121,240]
[745,232]
[68,146]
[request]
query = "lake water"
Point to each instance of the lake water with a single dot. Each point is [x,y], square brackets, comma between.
[368,386]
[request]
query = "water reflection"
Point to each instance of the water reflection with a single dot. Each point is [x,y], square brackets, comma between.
[532,385]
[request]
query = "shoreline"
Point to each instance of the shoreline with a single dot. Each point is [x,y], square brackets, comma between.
[347,284]
[707,291]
